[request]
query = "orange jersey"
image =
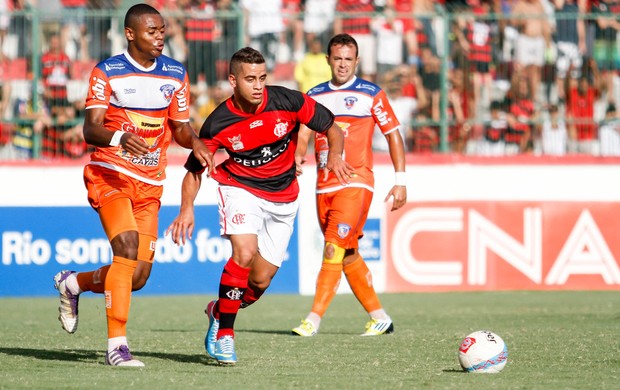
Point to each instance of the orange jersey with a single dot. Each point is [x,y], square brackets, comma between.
[358,106]
[140,101]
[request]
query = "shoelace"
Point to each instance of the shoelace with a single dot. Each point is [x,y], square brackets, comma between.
[124,353]
[227,345]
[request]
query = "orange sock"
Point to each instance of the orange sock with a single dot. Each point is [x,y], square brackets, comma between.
[118,295]
[360,279]
[326,287]
[93,281]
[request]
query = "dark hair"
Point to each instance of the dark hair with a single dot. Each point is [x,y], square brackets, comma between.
[610,108]
[553,108]
[344,40]
[136,11]
[247,55]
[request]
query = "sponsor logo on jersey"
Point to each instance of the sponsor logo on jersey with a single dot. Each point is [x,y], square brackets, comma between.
[114,66]
[266,155]
[149,128]
[280,129]
[172,68]
[343,230]
[236,142]
[349,102]
[316,90]
[256,123]
[369,87]
[98,88]
[129,91]
[380,113]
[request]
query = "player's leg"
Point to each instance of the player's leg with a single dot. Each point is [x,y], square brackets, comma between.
[132,227]
[330,208]
[359,276]
[120,226]
[240,221]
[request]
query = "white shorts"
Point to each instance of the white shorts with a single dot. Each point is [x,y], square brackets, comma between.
[530,50]
[243,213]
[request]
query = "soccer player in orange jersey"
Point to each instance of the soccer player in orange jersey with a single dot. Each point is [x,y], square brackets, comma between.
[137,101]
[358,106]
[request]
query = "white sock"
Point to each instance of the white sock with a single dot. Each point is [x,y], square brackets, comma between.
[379,314]
[116,342]
[315,319]
[72,284]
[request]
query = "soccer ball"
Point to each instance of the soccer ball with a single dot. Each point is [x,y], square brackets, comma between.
[483,352]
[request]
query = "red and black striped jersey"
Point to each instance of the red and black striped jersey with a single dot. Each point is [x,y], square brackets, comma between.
[261,145]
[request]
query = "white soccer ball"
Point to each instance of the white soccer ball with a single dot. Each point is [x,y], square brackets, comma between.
[483,352]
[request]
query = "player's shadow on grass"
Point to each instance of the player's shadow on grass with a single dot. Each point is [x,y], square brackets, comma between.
[86,355]
[265,331]
[47,354]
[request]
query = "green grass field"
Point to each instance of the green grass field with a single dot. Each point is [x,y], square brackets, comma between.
[556,340]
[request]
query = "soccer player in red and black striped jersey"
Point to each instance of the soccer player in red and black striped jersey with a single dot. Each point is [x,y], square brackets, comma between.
[257,191]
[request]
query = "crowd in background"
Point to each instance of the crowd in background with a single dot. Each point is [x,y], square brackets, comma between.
[478,77]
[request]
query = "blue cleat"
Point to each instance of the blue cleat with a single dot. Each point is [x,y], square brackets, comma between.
[225,350]
[214,325]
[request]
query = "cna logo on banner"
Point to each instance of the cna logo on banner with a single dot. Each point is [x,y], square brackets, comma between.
[503,245]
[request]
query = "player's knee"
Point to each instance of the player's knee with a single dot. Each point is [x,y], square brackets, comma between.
[139,279]
[333,254]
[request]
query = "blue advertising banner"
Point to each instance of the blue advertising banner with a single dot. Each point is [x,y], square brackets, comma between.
[37,242]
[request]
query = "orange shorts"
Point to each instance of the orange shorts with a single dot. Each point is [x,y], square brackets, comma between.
[125,204]
[342,215]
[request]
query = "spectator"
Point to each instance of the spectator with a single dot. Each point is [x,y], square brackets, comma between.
[425,135]
[495,129]
[5,21]
[264,26]
[571,41]
[610,133]
[523,112]
[404,10]
[313,69]
[293,36]
[474,34]
[355,20]
[203,33]
[389,32]
[580,111]
[74,34]
[605,43]
[404,107]
[554,133]
[534,38]
[318,20]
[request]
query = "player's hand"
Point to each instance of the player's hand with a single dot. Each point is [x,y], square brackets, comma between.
[182,227]
[399,193]
[204,156]
[299,161]
[134,144]
[340,168]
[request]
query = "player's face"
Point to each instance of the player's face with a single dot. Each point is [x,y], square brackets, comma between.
[147,37]
[343,61]
[248,84]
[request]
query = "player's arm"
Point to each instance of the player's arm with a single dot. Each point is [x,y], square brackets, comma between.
[303,140]
[335,163]
[97,135]
[185,136]
[182,226]
[397,154]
